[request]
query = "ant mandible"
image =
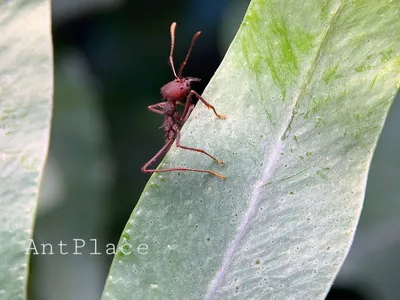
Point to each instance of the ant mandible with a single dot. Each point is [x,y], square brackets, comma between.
[174,93]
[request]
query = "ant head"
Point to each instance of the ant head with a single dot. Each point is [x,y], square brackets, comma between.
[177,89]
[191,79]
[171,61]
[185,82]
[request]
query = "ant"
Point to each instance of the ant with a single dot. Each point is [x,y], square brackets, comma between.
[174,92]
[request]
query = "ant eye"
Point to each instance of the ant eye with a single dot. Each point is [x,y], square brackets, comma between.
[181,87]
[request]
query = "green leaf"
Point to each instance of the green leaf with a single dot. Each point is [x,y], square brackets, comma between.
[306,86]
[25,110]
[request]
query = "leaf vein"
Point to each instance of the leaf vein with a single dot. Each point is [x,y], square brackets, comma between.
[272,159]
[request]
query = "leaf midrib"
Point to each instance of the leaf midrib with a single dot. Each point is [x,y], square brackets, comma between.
[272,160]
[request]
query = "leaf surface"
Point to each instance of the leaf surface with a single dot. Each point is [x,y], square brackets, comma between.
[306,86]
[25,108]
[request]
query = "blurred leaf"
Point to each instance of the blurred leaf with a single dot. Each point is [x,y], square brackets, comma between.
[373,260]
[25,110]
[77,178]
[306,87]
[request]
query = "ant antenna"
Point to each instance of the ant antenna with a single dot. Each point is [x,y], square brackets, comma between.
[171,60]
[196,35]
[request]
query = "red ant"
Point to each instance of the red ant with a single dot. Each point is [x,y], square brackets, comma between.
[174,92]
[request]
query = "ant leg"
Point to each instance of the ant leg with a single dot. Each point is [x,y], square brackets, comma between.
[188,108]
[157,108]
[189,98]
[185,117]
[159,153]
[187,111]
[154,158]
[177,143]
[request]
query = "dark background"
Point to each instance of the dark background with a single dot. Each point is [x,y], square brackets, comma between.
[110,62]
